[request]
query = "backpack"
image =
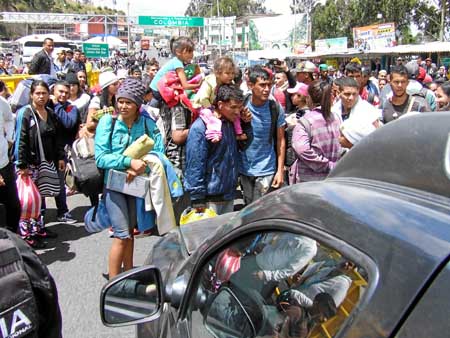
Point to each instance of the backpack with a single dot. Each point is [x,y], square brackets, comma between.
[82,173]
[274,108]
[291,156]
[28,300]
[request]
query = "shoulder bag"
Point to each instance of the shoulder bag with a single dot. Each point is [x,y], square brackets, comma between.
[47,179]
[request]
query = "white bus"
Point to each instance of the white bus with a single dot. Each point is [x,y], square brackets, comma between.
[31,44]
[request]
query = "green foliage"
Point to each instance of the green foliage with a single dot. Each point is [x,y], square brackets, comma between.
[336,18]
[204,8]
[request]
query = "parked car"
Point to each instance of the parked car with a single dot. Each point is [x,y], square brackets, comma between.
[364,253]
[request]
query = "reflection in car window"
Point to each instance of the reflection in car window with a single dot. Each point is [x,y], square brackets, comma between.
[275,284]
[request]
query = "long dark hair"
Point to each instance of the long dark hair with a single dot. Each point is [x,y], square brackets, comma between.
[38,83]
[104,99]
[320,93]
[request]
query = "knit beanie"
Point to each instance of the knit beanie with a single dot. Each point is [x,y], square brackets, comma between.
[71,78]
[132,89]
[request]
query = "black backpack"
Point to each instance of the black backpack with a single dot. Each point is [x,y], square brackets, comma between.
[274,108]
[28,298]
[82,173]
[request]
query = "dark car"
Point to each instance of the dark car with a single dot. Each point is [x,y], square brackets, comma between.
[364,253]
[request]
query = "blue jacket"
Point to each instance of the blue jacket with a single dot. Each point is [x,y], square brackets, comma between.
[108,155]
[70,120]
[212,168]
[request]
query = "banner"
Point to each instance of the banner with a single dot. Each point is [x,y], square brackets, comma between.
[374,36]
[277,32]
[336,45]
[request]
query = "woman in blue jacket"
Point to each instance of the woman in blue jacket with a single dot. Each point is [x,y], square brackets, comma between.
[111,140]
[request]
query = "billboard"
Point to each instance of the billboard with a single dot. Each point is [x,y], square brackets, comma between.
[277,32]
[336,45]
[374,36]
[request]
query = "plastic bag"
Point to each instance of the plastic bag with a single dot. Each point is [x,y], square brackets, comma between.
[29,196]
[192,215]
[96,218]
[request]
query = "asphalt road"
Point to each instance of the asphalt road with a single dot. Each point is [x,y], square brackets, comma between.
[77,259]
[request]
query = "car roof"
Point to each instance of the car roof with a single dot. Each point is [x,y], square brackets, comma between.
[413,151]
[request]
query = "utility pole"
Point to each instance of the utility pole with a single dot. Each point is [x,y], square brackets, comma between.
[442,25]
[220,30]
[128,25]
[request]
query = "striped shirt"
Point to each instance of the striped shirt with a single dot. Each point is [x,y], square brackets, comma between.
[317,153]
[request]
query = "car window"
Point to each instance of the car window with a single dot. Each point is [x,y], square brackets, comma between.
[275,284]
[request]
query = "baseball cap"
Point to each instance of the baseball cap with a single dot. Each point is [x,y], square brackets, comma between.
[306,67]
[323,67]
[413,69]
[300,88]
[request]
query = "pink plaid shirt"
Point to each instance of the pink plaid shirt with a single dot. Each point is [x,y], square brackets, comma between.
[317,153]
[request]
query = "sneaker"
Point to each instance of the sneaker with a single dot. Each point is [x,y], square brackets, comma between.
[35,243]
[47,233]
[66,218]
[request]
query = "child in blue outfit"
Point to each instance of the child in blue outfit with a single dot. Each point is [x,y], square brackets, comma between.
[183,50]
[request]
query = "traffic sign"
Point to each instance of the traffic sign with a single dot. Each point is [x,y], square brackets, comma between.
[171,21]
[96,50]
[148,31]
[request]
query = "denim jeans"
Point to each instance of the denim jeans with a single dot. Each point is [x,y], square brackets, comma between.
[255,187]
[222,207]
[122,213]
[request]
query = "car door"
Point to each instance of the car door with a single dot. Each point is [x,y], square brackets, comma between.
[429,314]
[276,278]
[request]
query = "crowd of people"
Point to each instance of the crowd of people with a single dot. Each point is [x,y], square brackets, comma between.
[258,129]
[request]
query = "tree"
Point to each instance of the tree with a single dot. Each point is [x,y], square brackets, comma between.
[236,8]
[338,17]
[432,18]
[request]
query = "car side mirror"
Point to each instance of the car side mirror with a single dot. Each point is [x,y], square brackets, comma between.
[227,317]
[133,297]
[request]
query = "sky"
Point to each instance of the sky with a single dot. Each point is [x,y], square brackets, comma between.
[175,7]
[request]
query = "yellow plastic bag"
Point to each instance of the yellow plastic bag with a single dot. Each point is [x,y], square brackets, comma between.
[140,147]
[192,215]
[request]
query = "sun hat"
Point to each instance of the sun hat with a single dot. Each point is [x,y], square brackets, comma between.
[122,73]
[106,79]
[132,89]
[323,67]
[306,67]
[300,88]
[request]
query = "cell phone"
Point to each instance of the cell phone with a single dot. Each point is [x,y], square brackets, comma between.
[275,62]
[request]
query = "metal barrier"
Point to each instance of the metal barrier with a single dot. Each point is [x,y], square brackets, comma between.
[12,81]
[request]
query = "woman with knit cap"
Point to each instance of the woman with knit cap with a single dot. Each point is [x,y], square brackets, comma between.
[111,140]
[104,101]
